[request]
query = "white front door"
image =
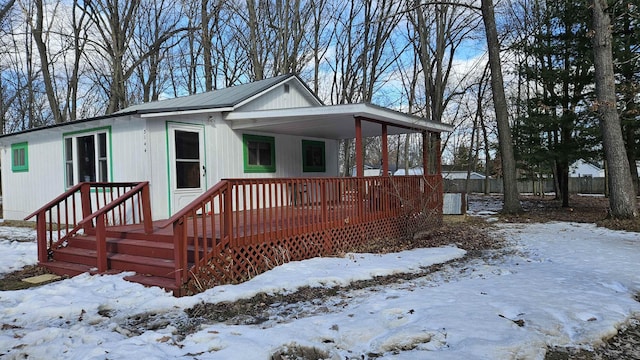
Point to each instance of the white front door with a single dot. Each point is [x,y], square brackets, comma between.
[186,164]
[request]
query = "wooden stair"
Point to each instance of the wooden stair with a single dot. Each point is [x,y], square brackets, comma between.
[151,257]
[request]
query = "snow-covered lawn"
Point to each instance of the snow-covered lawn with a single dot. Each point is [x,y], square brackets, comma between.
[557,284]
[17,248]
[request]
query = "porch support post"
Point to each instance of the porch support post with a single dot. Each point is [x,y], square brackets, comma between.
[438,144]
[426,143]
[385,152]
[359,149]
[440,187]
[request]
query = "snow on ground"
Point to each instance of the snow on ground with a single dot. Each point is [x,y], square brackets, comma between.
[557,284]
[17,248]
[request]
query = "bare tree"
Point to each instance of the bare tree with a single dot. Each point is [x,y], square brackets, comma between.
[439,29]
[116,22]
[38,34]
[363,56]
[5,7]
[622,198]
[157,19]
[511,196]
[321,36]
[6,98]
[274,35]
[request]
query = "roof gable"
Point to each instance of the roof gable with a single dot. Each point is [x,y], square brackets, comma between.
[226,98]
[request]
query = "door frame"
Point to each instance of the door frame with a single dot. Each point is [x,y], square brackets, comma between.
[172,190]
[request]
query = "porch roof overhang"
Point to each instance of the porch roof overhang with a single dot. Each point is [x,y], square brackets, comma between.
[332,121]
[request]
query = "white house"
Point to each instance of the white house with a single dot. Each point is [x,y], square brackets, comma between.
[274,128]
[368,171]
[582,168]
[446,174]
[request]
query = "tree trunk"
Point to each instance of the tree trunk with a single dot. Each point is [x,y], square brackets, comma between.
[511,199]
[622,199]
[38,30]
[206,45]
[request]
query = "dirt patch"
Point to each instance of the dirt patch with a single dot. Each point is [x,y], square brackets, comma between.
[295,351]
[624,345]
[470,235]
[13,281]
[19,223]
[582,209]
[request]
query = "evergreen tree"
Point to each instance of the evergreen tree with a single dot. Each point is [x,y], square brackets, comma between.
[558,127]
[626,52]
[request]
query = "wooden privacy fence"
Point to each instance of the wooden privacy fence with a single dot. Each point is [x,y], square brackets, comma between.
[242,227]
[583,185]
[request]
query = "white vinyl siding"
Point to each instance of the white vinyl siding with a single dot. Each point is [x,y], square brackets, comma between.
[289,95]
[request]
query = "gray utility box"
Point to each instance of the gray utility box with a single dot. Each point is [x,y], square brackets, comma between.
[454,204]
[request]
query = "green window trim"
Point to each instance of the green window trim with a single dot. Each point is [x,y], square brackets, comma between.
[102,167]
[313,156]
[20,157]
[259,153]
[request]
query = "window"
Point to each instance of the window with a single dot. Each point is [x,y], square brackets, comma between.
[187,145]
[86,156]
[313,158]
[19,157]
[259,154]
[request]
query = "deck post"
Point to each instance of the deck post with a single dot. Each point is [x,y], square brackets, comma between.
[324,204]
[385,152]
[359,169]
[179,251]
[101,244]
[227,213]
[440,185]
[146,210]
[426,143]
[85,201]
[41,236]
[438,152]
[359,149]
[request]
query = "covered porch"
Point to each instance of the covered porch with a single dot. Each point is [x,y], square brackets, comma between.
[348,121]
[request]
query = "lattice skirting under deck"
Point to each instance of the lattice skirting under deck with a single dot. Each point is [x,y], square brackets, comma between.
[238,264]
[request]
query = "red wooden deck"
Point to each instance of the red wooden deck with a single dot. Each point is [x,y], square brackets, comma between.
[235,230]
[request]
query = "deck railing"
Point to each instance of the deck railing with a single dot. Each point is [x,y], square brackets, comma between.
[241,212]
[87,208]
[277,208]
[209,236]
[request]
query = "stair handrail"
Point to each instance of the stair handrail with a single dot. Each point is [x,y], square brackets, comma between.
[56,201]
[46,243]
[146,215]
[178,221]
[99,215]
[192,205]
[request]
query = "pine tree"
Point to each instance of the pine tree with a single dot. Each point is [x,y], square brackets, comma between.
[558,128]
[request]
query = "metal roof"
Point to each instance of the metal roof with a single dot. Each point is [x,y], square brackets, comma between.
[324,121]
[221,98]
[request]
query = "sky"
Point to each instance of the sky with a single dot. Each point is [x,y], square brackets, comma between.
[563,284]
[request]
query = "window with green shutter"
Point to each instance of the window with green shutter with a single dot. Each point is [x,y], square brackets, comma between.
[259,153]
[20,157]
